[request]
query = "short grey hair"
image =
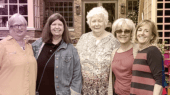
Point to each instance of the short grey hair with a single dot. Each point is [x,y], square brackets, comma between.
[16,17]
[97,11]
[119,23]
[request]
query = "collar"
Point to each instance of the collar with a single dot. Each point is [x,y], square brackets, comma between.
[9,37]
[63,45]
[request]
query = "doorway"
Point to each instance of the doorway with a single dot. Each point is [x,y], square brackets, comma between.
[110,6]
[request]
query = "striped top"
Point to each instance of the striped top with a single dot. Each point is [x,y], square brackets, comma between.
[146,71]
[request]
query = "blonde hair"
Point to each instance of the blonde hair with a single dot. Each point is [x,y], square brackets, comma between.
[119,24]
[153,29]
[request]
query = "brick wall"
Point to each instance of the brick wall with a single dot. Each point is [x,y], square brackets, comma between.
[77,21]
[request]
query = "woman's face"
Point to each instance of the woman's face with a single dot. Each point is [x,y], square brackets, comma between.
[18,30]
[57,28]
[97,24]
[144,34]
[124,34]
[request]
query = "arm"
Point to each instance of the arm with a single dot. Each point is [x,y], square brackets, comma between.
[2,51]
[155,63]
[157,89]
[76,84]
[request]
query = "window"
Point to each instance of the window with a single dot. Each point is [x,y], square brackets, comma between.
[37,14]
[10,7]
[132,10]
[163,21]
[65,8]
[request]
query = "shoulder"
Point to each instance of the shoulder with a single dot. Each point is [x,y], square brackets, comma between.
[71,46]
[86,34]
[111,37]
[37,42]
[6,40]
[114,51]
[154,51]
[2,47]
[113,40]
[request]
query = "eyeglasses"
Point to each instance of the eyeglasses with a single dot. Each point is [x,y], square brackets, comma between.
[125,31]
[22,26]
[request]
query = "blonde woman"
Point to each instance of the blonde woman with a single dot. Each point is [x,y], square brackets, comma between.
[123,57]
[147,66]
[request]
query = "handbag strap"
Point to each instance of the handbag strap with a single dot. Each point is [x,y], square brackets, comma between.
[44,71]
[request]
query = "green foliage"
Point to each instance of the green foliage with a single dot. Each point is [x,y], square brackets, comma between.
[163,48]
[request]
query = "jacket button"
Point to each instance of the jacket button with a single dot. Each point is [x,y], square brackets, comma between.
[57,86]
[50,50]
[57,58]
[56,66]
[56,76]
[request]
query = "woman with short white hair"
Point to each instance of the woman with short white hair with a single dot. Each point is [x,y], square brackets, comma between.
[95,50]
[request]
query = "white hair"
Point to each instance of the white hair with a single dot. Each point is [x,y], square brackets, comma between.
[16,17]
[97,11]
[119,24]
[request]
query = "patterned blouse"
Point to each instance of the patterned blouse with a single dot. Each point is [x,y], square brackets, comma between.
[95,61]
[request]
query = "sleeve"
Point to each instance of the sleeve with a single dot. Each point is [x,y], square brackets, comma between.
[76,84]
[116,43]
[154,60]
[34,47]
[2,52]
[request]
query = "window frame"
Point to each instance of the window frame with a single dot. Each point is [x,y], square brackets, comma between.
[163,31]
[127,5]
[8,14]
[54,7]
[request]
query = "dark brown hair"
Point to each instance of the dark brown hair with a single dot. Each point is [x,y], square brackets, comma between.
[46,33]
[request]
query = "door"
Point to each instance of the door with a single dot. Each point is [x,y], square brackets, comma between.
[110,6]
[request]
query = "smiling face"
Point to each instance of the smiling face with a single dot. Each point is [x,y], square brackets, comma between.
[97,24]
[144,34]
[18,30]
[57,28]
[124,34]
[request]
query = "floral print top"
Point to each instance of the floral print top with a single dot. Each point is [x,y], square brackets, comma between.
[95,59]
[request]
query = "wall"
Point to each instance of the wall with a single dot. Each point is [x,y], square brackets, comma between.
[147,9]
[77,21]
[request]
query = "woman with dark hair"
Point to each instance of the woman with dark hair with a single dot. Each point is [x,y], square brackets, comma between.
[59,70]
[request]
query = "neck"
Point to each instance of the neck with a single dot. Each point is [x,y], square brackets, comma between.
[56,40]
[100,35]
[141,47]
[21,42]
[125,46]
